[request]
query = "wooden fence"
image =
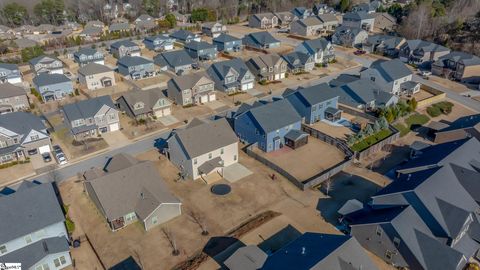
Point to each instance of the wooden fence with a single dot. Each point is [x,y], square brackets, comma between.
[437,96]
[379,146]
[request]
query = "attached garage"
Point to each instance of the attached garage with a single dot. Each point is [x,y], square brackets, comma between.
[277,77]
[247,86]
[211,97]
[114,127]
[163,112]
[282,75]
[168,47]
[44,149]
[204,99]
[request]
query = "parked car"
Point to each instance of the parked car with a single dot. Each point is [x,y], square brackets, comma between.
[359,52]
[59,155]
[284,30]
[425,74]
[46,157]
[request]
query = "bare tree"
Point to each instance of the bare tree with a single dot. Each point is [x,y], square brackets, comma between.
[197,218]
[328,186]
[172,240]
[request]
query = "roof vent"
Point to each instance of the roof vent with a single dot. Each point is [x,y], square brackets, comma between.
[142,196]
[303,250]
[45,247]
[409,176]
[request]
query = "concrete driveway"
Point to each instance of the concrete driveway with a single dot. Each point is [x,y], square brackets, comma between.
[168,120]
[115,138]
[38,163]
[235,172]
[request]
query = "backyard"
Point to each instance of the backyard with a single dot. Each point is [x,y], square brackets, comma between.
[410,123]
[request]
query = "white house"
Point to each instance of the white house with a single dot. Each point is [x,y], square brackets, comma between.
[390,76]
[32,227]
[202,149]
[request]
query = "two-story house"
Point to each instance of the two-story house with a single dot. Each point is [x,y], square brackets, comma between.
[201,50]
[123,48]
[320,48]
[33,228]
[91,117]
[298,62]
[96,76]
[142,104]
[145,23]
[85,56]
[13,98]
[349,36]
[191,89]
[213,29]
[460,66]
[52,86]
[185,36]
[203,148]
[260,40]
[231,76]
[159,43]
[310,26]
[266,124]
[176,61]
[301,12]
[227,43]
[136,67]
[263,20]
[320,8]
[285,18]
[268,67]
[384,44]
[361,20]
[389,75]
[22,134]
[46,64]
[9,73]
[421,53]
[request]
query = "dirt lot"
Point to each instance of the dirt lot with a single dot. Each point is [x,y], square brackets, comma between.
[306,161]
[157,81]
[422,94]
[339,132]
[452,85]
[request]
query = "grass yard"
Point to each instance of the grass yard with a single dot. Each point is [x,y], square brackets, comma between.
[371,140]
[413,120]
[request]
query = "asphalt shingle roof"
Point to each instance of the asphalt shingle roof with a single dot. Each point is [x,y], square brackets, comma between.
[174,58]
[262,38]
[9,90]
[274,115]
[49,79]
[391,70]
[93,68]
[223,38]
[130,61]
[86,108]
[126,43]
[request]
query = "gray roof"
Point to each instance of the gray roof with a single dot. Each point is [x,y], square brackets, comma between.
[121,26]
[126,43]
[466,58]
[327,17]
[86,51]
[86,108]
[223,38]
[344,30]
[295,135]
[45,79]
[9,90]
[274,115]
[246,258]
[131,61]
[426,46]
[31,254]
[9,66]
[361,15]
[267,15]
[220,69]
[25,43]
[132,186]
[390,42]
[203,138]
[309,21]
[360,92]
[28,210]
[145,17]
[173,58]
[92,30]
[160,37]
[182,34]
[42,58]
[148,97]
[297,59]
[391,70]
[93,68]
[188,81]
[316,45]
[262,38]
[21,122]
[202,45]
[314,94]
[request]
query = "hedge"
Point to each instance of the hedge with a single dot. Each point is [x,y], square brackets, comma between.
[371,140]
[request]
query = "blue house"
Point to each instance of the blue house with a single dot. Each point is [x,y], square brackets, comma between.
[315,103]
[185,36]
[201,50]
[266,123]
[53,86]
[159,43]
[136,67]
[227,43]
[261,40]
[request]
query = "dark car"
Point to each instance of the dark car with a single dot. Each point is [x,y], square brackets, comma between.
[46,157]
[359,52]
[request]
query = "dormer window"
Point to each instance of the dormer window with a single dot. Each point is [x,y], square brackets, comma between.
[139,105]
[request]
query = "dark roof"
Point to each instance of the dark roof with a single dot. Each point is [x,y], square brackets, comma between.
[315,94]
[86,108]
[85,51]
[93,68]
[223,38]
[296,59]
[360,15]
[50,78]
[125,43]
[130,61]
[220,69]
[173,58]
[316,45]
[262,38]
[9,66]
[295,134]
[426,46]
[274,115]
[148,97]
[21,122]
[468,121]
[470,180]
[182,34]
[202,45]
[391,70]
[9,90]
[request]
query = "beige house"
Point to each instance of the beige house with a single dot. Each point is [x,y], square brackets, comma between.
[191,89]
[141,104]
[96,76]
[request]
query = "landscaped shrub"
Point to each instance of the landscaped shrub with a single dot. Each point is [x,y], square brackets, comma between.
[434,111]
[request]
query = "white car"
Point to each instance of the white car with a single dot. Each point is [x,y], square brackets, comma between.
[425,73]
[59,155]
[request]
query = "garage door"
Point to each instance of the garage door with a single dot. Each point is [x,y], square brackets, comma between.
[247,86]
[169,47]
[282,75]
[204,99]
[114,127]
[277,76]
[44,149]
[212,97]
[166,111]
[15,80]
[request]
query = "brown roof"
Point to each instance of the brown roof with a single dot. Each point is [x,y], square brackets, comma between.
[9,90]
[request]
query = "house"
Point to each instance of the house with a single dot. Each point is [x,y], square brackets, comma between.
[22,133]
[185,36]
[191,89]
[176,61]
[390,75]
[9,73]
[23,43]
[268,67]
[85,56]
[33,227]
[370,7]
[320,8]
[96,76]
[136,67]
[330,22]
[126,190]
[284,18]
[310,26]
[301,12]
[260,40]
[203,148]
[315,103]
[201,50]
[266,124]
[361,20]
[181,18]
[159,43]
[46,64]
[421,53]
[91,33]
[119,27]
[227,43]
[231,76]
[95,23]
[463,127]
[52,86]
[460,66]
[123,48]
[145,23]
[349,37]
[142,104]
[298,62]
[91,117]
[263,20]
[213,29]
[13,98]
[320,48]
[384,44]
[385,21]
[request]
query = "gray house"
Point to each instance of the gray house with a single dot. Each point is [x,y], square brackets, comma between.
[299,62]
[231,76]
[421,52]
[384,44]
[320,48]
[185,36]
[349,37]
[123,48]
[159,43]
[96,76]
[52,86]
[119,27]
[269,67]
[136,67]
[142,104]
[22,133]
[227,43]
[201,50]
[213,29]
[191,89]
[174,61]
[86,56]
[9,73]
[263,20]
[145,23]
[127,190]
[46,64]
[13,98]
[260,40]
[91,117]
[361,20]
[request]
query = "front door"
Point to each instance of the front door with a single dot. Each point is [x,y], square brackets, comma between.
[276,143]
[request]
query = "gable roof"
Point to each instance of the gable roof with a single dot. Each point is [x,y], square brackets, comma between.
[86,51]
[274,115]
[463,122]
[202,45]
[246,258]
[45,79]
[296,59]
[314,94]
[391,70]
[42,58]
[262,38]
[223,38]
[426,46]
[9,90]
[357,16]
[126,43]
[316,45]
[9,66]
[120,26]
[221,69]
[130,61]
[327,17]
[309,21]
[86,108]
[173,58]
[201,138]
[148,97]
[189,80]
[93,68]
[182,34]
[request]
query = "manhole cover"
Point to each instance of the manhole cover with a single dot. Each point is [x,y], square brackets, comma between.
[221,189]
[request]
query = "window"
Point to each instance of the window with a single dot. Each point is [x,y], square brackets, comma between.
[130,217]
[40,233]
[378,231]
[221,151]
[235,157]
[388,255]
[3,249]
[396,242]
[34,137]
[209,155]
[28,239]
[43,267]
[195,162]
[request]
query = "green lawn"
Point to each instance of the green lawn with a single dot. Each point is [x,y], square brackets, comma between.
[413,120]
[371,140]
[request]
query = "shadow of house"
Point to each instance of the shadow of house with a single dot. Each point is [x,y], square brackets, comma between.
[220,248]
[280,239]
[345,187]
[127,264]
[397,155]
